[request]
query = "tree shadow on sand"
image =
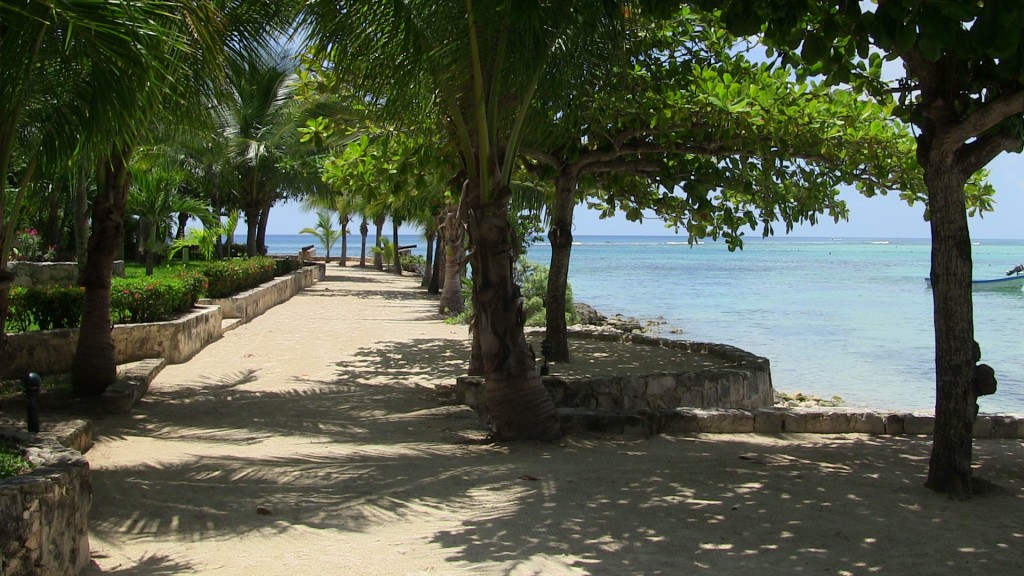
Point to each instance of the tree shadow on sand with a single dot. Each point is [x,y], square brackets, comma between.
[371,445]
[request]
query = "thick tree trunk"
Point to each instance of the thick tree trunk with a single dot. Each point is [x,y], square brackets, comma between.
[364,230]
[520,407]
[949,469]
[252,222]
[560,237]
[453,234]
[395,223]
[94,366]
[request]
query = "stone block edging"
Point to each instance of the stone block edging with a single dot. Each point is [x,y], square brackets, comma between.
[46,511]
[121,396]
[777,421]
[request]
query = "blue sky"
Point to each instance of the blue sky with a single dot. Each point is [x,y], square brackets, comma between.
[879,217]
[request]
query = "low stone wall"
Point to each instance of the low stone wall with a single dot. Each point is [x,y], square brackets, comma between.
[176,341]
[45,512]
[51,273]
[249,304]
[741,380]
[777,421]
[52,351]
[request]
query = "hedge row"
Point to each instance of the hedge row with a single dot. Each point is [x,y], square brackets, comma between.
[136,300]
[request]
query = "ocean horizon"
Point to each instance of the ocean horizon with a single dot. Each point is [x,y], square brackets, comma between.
[848,317]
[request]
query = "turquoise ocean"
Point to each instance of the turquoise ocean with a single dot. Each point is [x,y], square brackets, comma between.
[848,317]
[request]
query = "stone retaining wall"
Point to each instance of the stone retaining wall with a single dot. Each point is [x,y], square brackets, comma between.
[45,512]
[52,351]
[51,273]
[741,380]
[249,304]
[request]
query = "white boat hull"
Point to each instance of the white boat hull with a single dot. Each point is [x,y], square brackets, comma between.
[1008,283]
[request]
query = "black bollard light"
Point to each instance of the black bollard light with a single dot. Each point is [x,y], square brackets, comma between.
[32,383]
[545,351]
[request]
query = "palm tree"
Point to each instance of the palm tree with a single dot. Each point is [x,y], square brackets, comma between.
[155,198]
[257,121]
[484,65]
[323,232]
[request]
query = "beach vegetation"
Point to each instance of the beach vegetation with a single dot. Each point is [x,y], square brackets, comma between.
[962,89]
[156,199]
[533,281]
[324,231]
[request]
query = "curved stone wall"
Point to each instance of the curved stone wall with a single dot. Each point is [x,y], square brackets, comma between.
[739,380]
[45,512]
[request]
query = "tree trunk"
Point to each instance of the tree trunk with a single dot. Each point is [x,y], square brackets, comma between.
[94,366]
[252,221]
[520,407]
[437,276]
[261,230]
[81,217]
[364,230]
[453,234]
[949,469]
[560,237]
[395,223]
[343,220]
[428,265]
[378,255]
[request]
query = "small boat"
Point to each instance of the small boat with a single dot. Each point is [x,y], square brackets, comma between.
[1014,280]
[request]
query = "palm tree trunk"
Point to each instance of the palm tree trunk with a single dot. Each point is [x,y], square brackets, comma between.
[378,257]
[395,223]
[81,216]
[364,230]
[560,237]
[261,229]
[437,276]
[949,469]
[252,221]
[428,266]
[94,366]
[453,234]
[343,220]
[519,406]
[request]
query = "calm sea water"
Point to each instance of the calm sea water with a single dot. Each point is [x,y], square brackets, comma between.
[846,317]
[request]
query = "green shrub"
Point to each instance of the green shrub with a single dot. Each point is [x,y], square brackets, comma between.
[229,277]
[533,282]
[414,263]
[132,300]
[136,300]
[286,266]
[47,307]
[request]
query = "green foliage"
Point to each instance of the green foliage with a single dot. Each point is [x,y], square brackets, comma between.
[132,300]
[46,307]
[414,263]
[386,251]
[533,282]
[28,246]
[324,232]
[286,266]
[136,300]
[12,460]
[229,277]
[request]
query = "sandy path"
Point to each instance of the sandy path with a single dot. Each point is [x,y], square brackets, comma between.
[322,412]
